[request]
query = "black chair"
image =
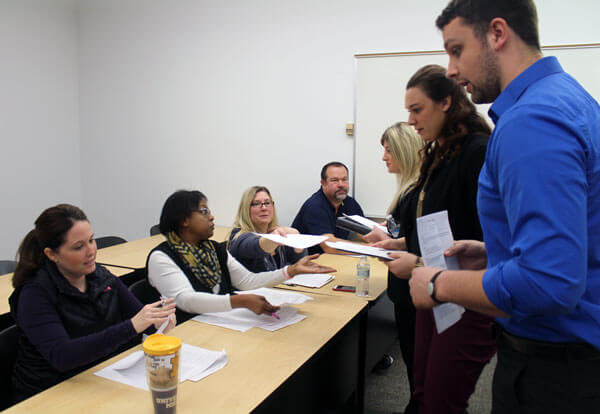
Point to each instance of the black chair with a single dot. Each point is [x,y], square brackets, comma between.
[6,321]
[7,266]
[154,230]
[144,291]
[107,241]
[9,342]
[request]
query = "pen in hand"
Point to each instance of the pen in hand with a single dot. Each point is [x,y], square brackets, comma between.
[273,314]
[162,327]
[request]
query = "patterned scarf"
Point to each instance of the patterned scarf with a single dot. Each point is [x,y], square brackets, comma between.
[201,260]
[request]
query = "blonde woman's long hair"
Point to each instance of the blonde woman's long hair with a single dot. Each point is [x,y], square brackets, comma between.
[405,147]
[242,219]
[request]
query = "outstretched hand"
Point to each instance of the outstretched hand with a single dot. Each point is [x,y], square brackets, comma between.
[376,235]
[402,265]
[391,244]
[306,265]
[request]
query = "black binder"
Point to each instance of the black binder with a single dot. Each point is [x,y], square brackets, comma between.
[347,223]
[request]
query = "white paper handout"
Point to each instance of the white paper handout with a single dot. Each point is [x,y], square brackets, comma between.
[361,249]
[278,297]
[194,364]
[312,280]
[369,223]
[435,236]
[242,319]
[297,241]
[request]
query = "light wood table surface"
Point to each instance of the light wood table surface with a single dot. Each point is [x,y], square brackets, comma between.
[6,290]
[133,254]
[346,275]
[259,362]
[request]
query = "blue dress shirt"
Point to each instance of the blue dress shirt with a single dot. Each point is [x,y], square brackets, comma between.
[539,207]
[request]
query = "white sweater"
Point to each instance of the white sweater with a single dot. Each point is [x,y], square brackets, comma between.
[171,282]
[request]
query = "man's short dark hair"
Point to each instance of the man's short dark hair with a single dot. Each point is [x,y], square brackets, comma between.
[521,16]
[179,206]
[331,164]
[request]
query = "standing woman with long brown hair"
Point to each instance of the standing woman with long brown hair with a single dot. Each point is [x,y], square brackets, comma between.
[446,365]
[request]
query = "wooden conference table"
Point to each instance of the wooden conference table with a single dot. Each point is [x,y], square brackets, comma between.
[370,334]
[378,327]
[296,369]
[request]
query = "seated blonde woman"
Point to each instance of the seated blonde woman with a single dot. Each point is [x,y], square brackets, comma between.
[256,214]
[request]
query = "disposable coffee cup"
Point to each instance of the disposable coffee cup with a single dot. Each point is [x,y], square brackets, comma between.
[162,371]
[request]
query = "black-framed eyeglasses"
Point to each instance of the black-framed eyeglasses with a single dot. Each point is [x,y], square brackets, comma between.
[205,211]
[261,204]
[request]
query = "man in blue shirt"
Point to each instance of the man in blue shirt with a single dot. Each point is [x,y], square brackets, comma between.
[539,207]
[318,214]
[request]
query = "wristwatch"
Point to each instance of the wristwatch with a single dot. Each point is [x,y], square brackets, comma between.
[431,288]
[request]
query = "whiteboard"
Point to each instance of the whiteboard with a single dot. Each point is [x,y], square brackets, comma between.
[380,83]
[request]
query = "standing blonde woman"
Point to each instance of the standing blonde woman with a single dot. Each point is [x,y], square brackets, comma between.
[401,154]
[256,214]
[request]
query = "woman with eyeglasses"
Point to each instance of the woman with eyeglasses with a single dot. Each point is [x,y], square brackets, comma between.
[70,312]
[198,272]
[256,214]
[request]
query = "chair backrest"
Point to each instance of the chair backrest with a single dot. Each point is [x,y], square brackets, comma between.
[7,266]
[9,342]
[154,230]
[107,241]
[144,291]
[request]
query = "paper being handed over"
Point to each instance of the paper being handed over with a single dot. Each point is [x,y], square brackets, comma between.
[435,236]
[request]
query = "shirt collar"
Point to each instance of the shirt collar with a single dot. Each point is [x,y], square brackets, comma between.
[511,94]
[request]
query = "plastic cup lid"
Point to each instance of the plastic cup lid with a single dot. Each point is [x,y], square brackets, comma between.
[159,344]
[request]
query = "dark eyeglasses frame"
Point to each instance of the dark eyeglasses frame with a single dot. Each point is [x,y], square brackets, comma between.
[261,204]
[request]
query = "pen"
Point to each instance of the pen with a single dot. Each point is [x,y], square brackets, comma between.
[162,327]
[275,315]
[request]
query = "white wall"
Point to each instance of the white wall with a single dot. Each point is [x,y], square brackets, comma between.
[219,96]
[213,95]
[39,159]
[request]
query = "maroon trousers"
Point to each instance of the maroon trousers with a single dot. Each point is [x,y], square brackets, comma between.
[447,366]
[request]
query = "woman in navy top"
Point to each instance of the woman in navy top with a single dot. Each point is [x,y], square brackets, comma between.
[256,214]
[71,313]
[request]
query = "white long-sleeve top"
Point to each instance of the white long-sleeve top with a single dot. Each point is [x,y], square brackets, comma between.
[170,281]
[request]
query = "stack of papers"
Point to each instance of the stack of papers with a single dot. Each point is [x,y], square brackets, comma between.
[362,249]
[279,297]
[312,280]
[194,364]
[297,241]
[242,319]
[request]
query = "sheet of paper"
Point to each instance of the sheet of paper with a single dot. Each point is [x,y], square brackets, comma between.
[312,280]
[297,241]
[369,223]
[435,236]
[242,319]
[361,249]
[195,363]
[278,297]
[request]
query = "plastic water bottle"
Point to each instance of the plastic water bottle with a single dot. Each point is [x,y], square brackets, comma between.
[363,271]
